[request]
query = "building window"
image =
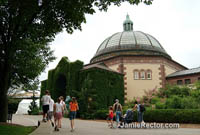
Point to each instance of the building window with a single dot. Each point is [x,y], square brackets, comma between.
[142,75]
[198,78]
[136,75]
[187,81]
[179,82]
[149,75]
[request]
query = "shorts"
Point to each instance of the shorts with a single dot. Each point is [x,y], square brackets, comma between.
[109,118]
[58,115]
[49,115]
[72,115]
[45,108]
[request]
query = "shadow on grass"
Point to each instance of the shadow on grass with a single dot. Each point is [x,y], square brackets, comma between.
[13,129]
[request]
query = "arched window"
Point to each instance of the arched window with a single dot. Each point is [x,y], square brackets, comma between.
[136,74]
[149,74]
[129,27]
[142,74]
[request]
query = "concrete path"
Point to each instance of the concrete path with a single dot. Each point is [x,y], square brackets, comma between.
[85,127]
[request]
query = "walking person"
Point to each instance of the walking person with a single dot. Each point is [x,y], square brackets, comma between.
[67,101]
[140,110]
[110,117]
[73,105]
[45,105]
[50,112]
[58,110]
[64,108]
[118,111]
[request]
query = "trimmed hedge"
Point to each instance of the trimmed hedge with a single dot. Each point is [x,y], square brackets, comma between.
[173,115]
[163,115]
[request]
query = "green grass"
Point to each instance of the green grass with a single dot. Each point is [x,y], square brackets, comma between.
[9,129]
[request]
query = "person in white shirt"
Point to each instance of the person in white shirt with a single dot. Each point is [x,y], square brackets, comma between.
[45,104]
[64,107]
[58,109]
[50,112]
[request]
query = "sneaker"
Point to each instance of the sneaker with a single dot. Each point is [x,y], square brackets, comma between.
[52,124]
[43,120]
[56,128]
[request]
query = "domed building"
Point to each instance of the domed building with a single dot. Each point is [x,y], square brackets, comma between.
[125,65]
[139,56]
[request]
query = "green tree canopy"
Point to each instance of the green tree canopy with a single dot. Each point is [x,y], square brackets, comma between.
[28,26]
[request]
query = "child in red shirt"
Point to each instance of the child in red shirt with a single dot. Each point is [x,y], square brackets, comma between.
[110,117]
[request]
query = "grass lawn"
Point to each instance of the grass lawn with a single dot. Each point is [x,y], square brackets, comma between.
[11,129]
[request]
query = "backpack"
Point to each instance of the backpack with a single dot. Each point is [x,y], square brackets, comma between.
[117,107]
[142,108]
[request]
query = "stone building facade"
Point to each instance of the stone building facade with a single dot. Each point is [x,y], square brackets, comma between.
[140,57]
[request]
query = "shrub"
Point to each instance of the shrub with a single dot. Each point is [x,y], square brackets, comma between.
[189,103]
[33,108]
[174,102]
[155,100]
[13,105]
[160,105]
[173,115]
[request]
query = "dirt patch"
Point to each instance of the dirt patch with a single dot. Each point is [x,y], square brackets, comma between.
[189,125]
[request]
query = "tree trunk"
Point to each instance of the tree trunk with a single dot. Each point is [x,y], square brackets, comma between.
[3,105]
[4,85]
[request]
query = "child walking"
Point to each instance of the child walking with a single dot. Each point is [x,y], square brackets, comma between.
[58,109]
[110,117]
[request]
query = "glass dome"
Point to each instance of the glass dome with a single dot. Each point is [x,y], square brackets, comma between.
[134,42]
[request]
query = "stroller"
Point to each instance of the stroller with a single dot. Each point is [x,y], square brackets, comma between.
[128,117]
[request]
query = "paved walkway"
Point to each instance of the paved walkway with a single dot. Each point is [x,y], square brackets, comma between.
[84,127]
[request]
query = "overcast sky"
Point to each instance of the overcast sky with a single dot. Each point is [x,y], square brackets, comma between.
[174,23]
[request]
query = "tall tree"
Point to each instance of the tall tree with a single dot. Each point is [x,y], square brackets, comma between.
[26,29]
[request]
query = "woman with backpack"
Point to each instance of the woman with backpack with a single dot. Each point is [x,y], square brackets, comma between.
[140,109]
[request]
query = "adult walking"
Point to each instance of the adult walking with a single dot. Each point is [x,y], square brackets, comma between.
[67,101]
[73,106]
[45,104]
[140,110]
[50,112]
[118,111]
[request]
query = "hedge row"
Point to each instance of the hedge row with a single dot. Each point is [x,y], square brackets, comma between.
[163,115]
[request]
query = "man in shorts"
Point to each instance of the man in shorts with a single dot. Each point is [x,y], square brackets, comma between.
[45,105]
[50,112]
